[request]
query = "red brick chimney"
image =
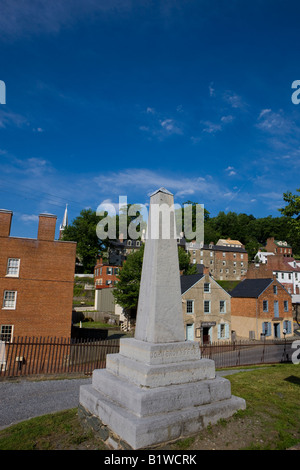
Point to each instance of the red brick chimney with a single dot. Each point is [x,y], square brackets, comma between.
[5,222]
[46,230]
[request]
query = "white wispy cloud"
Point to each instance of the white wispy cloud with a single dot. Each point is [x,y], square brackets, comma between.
[276,122]
[234,100]
[160,125]
[10,118]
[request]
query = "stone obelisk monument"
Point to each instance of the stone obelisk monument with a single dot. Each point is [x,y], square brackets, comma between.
[157,388]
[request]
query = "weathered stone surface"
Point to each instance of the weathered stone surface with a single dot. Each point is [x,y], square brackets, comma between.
[159,353]
[157,388]
[159,315]
[141,432]
[146,375]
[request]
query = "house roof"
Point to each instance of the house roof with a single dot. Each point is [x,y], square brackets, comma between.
[236,249]
[251,287]
[188,281]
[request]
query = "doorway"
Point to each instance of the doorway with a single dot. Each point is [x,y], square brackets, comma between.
[190,332]
[276,330]
[206,335]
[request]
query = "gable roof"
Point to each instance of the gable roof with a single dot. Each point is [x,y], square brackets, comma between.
[186,282]
[251,287]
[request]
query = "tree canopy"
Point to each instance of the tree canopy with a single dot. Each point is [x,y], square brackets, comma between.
[126,292]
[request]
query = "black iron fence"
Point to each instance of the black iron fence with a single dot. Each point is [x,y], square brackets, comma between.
[39,356]
[30,356]
[242,353]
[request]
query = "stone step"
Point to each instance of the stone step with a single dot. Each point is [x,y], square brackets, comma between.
[143,401]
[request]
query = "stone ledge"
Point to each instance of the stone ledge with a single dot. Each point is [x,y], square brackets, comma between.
[143,401]
[148,431]
[159,353]
[145,375]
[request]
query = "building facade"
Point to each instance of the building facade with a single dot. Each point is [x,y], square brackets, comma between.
[36,282]
[261,308]
[224,262]
[105,275]
[206,309]
[279,247]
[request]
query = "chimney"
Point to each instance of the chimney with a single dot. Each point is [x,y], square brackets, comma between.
[5,222]
[46,230]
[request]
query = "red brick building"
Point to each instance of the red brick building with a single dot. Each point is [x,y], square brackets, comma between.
[278,247]
[261,307]
[105,275]
[36,282]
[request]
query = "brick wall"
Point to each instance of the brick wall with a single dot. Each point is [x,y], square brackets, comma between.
[247,314]
[44,284]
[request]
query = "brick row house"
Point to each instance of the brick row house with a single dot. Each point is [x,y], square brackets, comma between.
[261,307]
[255,308]
[36,282]
[227,260]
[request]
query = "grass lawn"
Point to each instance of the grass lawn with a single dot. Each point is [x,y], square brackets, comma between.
[271,420]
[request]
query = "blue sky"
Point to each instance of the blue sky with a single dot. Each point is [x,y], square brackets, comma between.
[114,98]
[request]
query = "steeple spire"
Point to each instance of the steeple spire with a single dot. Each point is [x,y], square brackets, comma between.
[64,223]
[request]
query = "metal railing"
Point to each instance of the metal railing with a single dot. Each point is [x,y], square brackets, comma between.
[31,356]
[39,356]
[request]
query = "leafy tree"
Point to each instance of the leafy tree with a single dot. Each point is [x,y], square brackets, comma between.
[126,292]
[83,231]
[291,213]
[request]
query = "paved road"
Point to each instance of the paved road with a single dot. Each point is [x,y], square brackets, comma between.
[27,399]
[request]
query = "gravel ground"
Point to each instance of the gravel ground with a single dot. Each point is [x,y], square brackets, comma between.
[27,399]
[24,399]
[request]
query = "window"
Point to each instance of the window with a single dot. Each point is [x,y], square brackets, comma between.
[211,253]
[6,333]
[286,305]
[276,309]
[266,328]
[275,289]
[224,263]
[242,256]
[234,255]
[108,270]
[287,325]
[223,331]
[138,243]
[189,306]
[265,306]
[13,266]
[282,275]
[224,255]
[207,287]
[9,299]
[222,306]
[242,263]
[206,306]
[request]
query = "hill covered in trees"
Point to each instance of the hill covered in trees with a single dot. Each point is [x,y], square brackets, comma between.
[252,232]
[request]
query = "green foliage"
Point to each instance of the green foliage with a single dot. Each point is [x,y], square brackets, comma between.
[127,289]
[83,231]
[291,213]
[126,292]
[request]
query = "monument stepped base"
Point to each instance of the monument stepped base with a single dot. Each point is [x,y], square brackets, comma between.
[154,393]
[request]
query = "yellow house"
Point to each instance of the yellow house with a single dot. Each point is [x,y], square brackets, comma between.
[206,309]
